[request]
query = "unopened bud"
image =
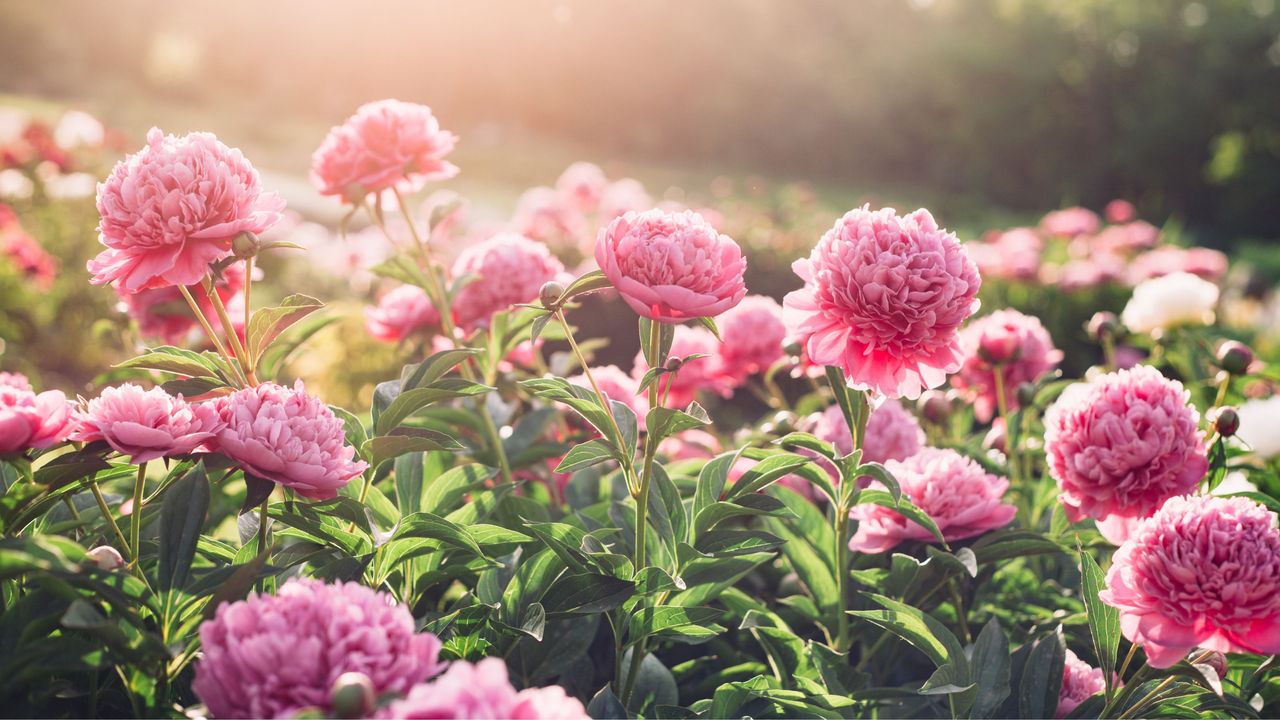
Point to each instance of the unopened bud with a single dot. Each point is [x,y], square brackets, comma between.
[1026,394]
[1102,325]
[106,557]
[1235,357]
[792,349]
[245,245]
[999,349]
[1225,420]
[934,406]
[550,294]
[353,695]
[673,364]
[1218,662]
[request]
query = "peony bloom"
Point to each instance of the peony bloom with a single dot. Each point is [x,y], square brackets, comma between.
[1120,446]
[271,655]
[385,145]
[1204,263]
[508,269]
[1202,572]
[700,374]
[618,386]
[544,215]
[1123,239]
[1168,301]
[1028,353]
[883,299]
[671,267]
[172,208]
[26,255]
[32,421]
[17,381]
[481,691]
[753,334]
[582,186]
[1071,222]
[621,197]
[1259,430]
[892,433]
[401,313]
[1120,211]
[961,498]
[1013,254]
[146,424]
[163,312]
[288,437]
[1080,681]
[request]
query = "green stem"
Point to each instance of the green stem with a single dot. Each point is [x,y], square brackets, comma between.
[628,471]
[959,604]
[246,362]
[111,520]
[1010,433]
[1109,352]
[214,337]
[842,578]
[857,422]
[135,522]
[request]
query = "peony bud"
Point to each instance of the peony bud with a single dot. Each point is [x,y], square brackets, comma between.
[550,294]
[999,348]
[934,406]
[1218,662]
[1225,420]
[245,245]
[106,557]
[793,349]
[353,695]
[673,364]
[1026,394]
[1235,357]
[1102,325]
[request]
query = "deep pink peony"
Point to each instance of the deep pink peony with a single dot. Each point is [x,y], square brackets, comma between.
[481,691]
[962,498]
[582,185]
[752,333]
[401,313]
[508,269]
[1070,222]
[387,144]
[883,299]
[694,375]
[1029,354]
[618,386]
[1080,681]
[147,424]
[172,208]
[29,420]
[892,433]
[272,655]
[288,437]
[671,267]
[1202,572]
[1121,445]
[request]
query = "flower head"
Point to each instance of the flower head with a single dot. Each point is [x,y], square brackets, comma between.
[618,386]
[400,313]
[1204,572]
[288,437]
[172,208]
[17,381]
[544,215]
[1080,681]
[1120,211]
[1070,222]
[272,655]
[481,691]
[697,374]
[621,197]
[1205,263]
[508,269]
[29,420]
[1169,300]
[892,432]
[671,267]
[1028,353]
[582,185]
[163,313]
[147,424]
[752,333]
[1120,446]
[387,144]
[883,299]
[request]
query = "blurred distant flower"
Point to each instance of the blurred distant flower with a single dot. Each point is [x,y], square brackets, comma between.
[30,420]
[621,197]
[507,269]
[15,185]
[27,256]
[618,386]
[70,186]
[1071,222]
[1013,254]
[1030,354]
[164,314]
[1202,262]
[693,375]
[545,215]
[892,433]
[17,381]
[1126,238]
[752,333]
[1260,426]
[1120,211]
[400,313]
[146,424]
[1176,299]
[582,186]
[78,129]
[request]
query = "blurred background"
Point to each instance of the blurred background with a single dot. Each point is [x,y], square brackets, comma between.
[781,115]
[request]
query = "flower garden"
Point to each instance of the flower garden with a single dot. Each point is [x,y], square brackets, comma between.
[1028,474]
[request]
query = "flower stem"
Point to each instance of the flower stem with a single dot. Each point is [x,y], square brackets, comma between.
[628,471]
[135,522]
[208,330]
[857,422]
[246,362]
[1109,352]
[111,520]
[1010,434]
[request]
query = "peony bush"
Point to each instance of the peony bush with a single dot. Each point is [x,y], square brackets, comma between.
[902,491]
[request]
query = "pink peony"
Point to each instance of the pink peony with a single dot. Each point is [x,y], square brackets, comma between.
[961,498]
[29,420]
[401,313]
[1012,255]
[694,375]
[883,299]
[387,144]
[621,197]
[671,267]
[1120,211]
[146,424]
[272,655]
[288,437]
[1030,354]
[17,381]
[1080,681]
[1121,445]
[616,385]
[27,256]
[690,445]
[753,335]
[544,215]
[163,313]
[172,208]
[1201,572]
[1205,263]
[481,691]
[508,269]
[1071,222]
[892,433]
[581,186]
[1126,238]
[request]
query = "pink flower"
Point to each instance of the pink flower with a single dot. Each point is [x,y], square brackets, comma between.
[17,381]
[1121,445]
[892,433]
[272,655]
[29,420]
[1201,572]
[1120,211]
[671,267]
[690,445]
[1030,354]
[288,437]
[27,256]
[508,269]
[1136,235]
[387,144]
[621,197]
[481,691]
[172,208]
[1080,681]
[582,185]
[401,313]
[961,498]
[752,333]
[1013,254]
[163,313]
[146,424]
[694,375]
[544,215]
[883,298]
[616,385]
[1205,263]
[1071,222]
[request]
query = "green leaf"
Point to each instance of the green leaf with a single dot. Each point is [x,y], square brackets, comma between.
[1104,620]
[990,671]
[237,585]
[408,472]
[178,361]
[605,705]
[654,684]
[433,368]
[426,525]
[410,401]
[182,516]
[717,513]
[586,593]
[445,491]
[402,440]
[663,422]
[919,629]
[808,442]
[904,507]
[1042,678]
[710,324]
[352,429]
[723,543]
[666,334]
[267,323]
[591,282]
[689,622]
[585,455]
[765,473]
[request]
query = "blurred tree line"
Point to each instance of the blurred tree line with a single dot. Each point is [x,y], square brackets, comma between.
[1028,104]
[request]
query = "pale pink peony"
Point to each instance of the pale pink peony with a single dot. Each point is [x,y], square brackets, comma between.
[1136,235]
[1121,445]
[18,381]
[883,299]
[621,197]
[1201,572]
[544,215]
[1013,254]
[1070,222]
[962,499]
[1120,211]
[401,313]
[481,691]
[582,185]
[32,421]
[288,437]
[387,144]
[892,432]
[616,385]
[671,267]
[174,207]
[690,445]
[1205,263]
[147,424]
[694,375]
[1030,354]
[271,655]
[1080,681]
[508,269]
[753,334]
[163,313]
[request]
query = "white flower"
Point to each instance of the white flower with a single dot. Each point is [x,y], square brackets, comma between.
[14,185]
[77,129]
[1174,299]
[1260,426]
[70,186]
